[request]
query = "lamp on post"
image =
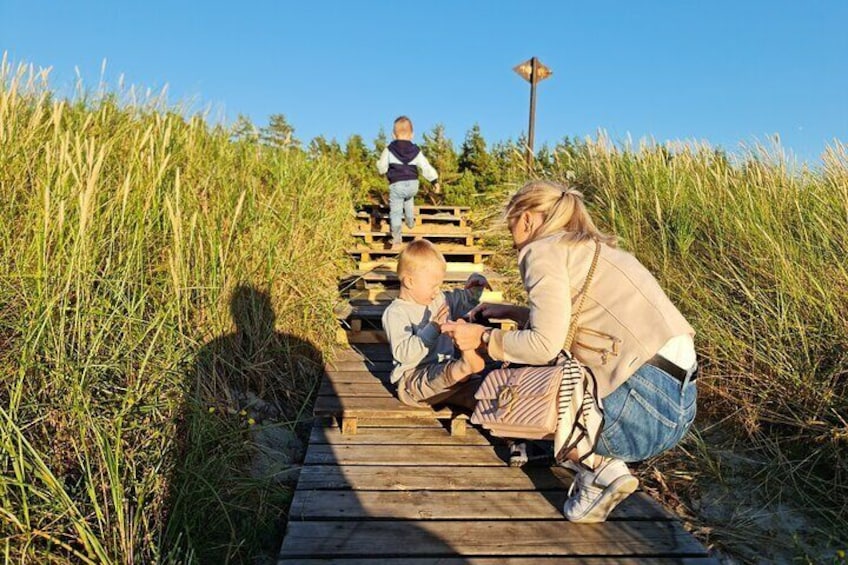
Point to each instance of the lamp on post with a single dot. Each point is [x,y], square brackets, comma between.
[532,71]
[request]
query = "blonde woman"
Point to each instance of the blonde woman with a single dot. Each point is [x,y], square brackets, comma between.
[635,341]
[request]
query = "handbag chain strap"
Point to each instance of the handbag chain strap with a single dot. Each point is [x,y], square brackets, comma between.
[572,329]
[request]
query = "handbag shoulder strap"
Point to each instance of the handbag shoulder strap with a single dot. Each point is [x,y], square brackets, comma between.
[572,327]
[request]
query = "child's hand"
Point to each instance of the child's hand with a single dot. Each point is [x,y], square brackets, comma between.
[440,317]
[465,336]
[476,279]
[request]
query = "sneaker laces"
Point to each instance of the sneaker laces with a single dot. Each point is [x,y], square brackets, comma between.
[582,482]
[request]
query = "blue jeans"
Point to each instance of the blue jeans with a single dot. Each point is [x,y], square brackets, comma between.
[401,203]
[649,413]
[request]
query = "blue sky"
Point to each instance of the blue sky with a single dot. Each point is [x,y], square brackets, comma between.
[724,72]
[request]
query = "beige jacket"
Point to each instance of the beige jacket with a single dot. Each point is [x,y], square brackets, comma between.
[626,317]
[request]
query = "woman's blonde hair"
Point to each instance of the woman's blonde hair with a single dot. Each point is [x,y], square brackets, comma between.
[562,208]
[418,254]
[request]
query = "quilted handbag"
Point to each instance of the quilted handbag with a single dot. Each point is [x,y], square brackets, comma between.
[557,401]
[519,402]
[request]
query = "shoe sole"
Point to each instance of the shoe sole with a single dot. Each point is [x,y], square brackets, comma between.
[622,487]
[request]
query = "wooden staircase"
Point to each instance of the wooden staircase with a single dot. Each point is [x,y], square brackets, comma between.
[374,284]
[387,483]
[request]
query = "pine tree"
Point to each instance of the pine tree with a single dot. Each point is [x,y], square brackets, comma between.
[380,142]
[244,130]
[476,159]
[279,133]
[440,152]
[320,147]
[361,167]
[473,156]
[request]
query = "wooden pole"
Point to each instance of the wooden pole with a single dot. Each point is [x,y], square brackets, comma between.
[531,128]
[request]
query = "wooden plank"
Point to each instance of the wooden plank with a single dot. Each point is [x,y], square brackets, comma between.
[448,250]
[366,226]
[374,353]
[420,208]
[420,219]
[373,408]
[349,425]
[535,560]
[376,366]
[464,235]
[391,265]
[361,336]
[487,538]
[357,376]
[396,436]
[452,505]
[419,455]
[423,208]
[405,422]
[366,310]
[456,478]
[388,276]
[373,389]
[379,295]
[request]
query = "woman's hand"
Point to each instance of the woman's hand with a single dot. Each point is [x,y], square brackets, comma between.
[466,336]
[508,311]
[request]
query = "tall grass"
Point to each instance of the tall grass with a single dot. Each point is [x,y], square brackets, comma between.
[753,249]
[154,272]
[125,232]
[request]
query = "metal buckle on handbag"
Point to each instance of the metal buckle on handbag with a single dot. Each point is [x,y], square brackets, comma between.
[506,397]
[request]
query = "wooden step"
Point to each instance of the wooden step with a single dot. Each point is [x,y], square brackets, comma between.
[391,265]
[368,353]
[431,228]
[435,237]
[421,209]
[420,219]
[387,277]
[351,410]
[375,295]
[349,337]
[620,541]
[452,253]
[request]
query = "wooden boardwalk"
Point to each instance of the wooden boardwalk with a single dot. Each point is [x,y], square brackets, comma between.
[398,487]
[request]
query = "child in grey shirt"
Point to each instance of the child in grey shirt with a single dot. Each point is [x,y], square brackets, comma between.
[425,370]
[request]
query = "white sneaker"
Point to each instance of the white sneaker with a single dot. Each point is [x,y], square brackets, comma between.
[518,454]
[594,494]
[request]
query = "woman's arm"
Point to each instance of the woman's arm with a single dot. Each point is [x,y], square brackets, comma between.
[549,296]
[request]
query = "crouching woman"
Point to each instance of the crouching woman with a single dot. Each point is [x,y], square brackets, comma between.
[635,341]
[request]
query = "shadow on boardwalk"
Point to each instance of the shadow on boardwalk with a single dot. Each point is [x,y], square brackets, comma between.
[239,453]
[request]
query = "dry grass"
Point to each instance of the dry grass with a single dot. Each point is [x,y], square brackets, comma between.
[139,245]
[753,252]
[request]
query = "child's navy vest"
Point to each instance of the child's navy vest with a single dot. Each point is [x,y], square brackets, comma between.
[405,152]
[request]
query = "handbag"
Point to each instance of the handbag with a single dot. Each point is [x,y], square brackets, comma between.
[557,401]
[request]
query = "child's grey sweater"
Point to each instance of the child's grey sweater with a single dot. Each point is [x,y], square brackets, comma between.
[413,339]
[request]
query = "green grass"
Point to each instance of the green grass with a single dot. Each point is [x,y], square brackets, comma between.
[155,271]
[138,245]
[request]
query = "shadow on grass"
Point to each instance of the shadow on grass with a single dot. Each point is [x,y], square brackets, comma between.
[246,394]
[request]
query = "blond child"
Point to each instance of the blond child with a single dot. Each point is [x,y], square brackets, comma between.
[400,161]
[426,370]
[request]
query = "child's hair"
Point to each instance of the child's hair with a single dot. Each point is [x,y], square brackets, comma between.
[563,210]
[402,125]
[416,255]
